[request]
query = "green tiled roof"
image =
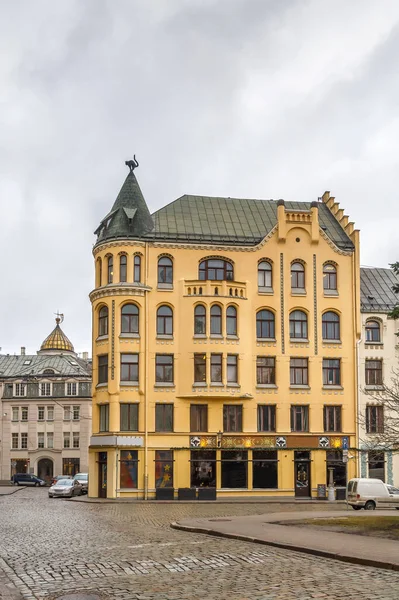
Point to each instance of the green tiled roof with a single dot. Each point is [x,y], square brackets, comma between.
[376,294]
[30,365]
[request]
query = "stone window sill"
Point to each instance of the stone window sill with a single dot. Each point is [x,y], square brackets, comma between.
[265,339]
[265,290]
[199,384]
[102,385]
[165,286]
[130,335]
[216,336]
[331,293]
[266,386]
[165,384]
[299,387]
[298,292]
[127,383]
[332,341]
[381,344]
[234,385]
[217,384]
[332,387]
[299,341]
[200,336]
[377,388]
[232,337]
[100,338]
[164,337]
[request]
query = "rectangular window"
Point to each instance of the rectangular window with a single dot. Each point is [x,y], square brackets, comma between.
[335,462]
[50,413]
[24,413]
[299,371]
[373,372]
[163,468]
[20,389]
[299,418]
[67,413]
[376,465]
[198,417]
[104,417]
[40,413]
[232,368]
[15,413]
[265,370]
[130,367]
[331,371]
[67,439]
[76,413]
[129,417]
[266,417]
[72,389]
[200,368]
[332,418]
[234,469]
[40,440]
[164,368]
[129,466]
[75,439]
[45,389]
[216,368]
[375,419]
[70,466]
[24,441]
[164,417]
[103,368]
[232,418]
[50,440]
[203,468]
[14,442]
[264,469]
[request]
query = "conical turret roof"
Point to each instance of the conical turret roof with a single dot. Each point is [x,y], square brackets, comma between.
[129,216]
[57,341]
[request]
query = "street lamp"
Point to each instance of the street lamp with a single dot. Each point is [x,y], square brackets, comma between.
[219,436]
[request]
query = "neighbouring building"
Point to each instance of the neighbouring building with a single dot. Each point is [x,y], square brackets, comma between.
[378,366]
[46,410]
[224,346]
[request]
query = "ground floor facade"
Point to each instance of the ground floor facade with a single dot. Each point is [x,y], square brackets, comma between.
[380,464]
[285,466]
[44,464]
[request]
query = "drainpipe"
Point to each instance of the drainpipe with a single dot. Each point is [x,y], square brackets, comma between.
[146,359]
[357,400]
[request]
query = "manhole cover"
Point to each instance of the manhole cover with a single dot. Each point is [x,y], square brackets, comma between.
[82,596]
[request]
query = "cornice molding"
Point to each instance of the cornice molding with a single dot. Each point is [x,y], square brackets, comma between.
[119,290]
[333,246]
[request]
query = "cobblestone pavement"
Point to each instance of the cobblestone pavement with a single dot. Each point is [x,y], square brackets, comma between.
[50,547]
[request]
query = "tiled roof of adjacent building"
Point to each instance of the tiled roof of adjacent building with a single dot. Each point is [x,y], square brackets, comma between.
[204,219]
[35,365]
[376,293]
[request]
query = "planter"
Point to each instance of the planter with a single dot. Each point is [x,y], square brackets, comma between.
[164,494]
[186,494]
[206,493]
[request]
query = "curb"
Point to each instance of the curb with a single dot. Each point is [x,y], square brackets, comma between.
[357,560]
[209,502]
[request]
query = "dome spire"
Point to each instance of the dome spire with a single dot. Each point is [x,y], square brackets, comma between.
[57,342]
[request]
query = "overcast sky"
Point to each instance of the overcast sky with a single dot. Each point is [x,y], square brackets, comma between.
[245,98]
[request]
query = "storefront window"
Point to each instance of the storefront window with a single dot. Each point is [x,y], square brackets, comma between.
[70,466]
[163,468]
[234,469]
[376,465]
[128,464]
[335,462]
[265,469]
[203,468]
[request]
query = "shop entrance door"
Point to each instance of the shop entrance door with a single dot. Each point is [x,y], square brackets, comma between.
[102,474]
[302,474]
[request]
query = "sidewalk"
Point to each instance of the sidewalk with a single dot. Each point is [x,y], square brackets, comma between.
[262,529]
[231,500]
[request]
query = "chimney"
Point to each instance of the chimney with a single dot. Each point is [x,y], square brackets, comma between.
[23,350]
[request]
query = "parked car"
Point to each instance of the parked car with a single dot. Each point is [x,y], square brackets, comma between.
[58,477]
[65,488]
[371,494]
[26,479]
[83,478]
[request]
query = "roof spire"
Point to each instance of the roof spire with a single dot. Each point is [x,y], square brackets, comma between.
[57,341]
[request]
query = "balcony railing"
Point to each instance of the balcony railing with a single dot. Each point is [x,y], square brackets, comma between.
[226,289]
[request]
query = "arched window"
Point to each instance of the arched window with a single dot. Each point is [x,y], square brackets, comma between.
[110,269]
[103,321]
[48,372]
[330,326]
[373,331]
[99,272]
[165,271]
[265,324]
[329,277]
[164,320]
[130,319]
[231,320]
[216,269]
[297,276]
[298,325]
[137,269]
[200,320]
[123,268]
[216,320]
[264,274]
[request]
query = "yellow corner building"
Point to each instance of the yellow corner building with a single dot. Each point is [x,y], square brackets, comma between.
[224,348]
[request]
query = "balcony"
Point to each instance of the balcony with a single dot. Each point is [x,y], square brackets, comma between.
[221,289]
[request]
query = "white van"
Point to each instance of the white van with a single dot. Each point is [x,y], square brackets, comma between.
[371,493]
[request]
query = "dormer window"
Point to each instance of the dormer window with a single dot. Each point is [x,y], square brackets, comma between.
[215,270]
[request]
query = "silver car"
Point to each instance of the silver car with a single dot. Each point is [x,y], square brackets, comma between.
[65,488]
[83,479]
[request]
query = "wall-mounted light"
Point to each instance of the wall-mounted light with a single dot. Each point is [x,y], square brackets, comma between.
[219,436]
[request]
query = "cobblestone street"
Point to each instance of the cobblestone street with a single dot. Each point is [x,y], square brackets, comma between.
[127,551]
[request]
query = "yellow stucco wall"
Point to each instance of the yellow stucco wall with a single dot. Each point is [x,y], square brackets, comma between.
[296,237]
